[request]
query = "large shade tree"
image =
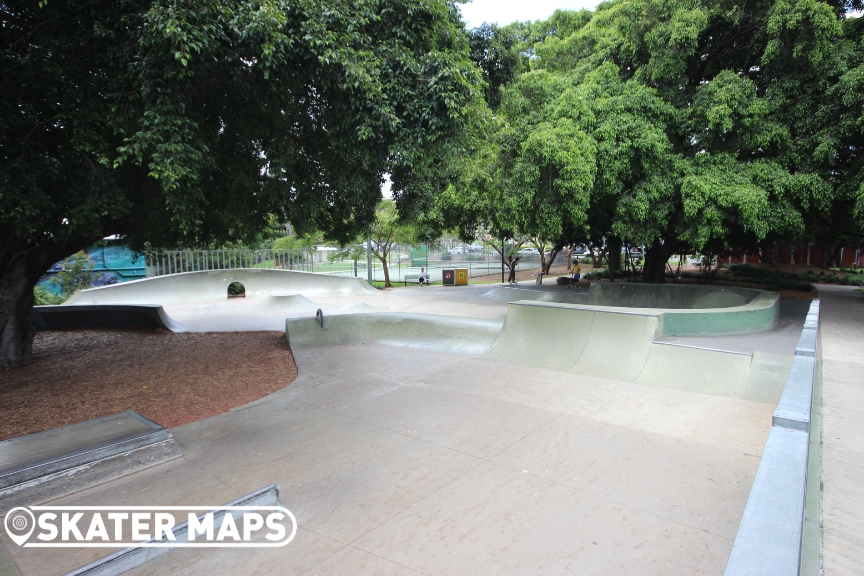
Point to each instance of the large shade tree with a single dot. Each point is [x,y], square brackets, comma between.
[710,125]
[179,122]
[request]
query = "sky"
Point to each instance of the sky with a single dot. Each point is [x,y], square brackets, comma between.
[507,11]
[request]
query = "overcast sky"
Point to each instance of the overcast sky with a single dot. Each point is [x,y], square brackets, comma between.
[507,11]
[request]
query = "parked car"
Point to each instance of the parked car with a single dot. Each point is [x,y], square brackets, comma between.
[527,253]
[474,248]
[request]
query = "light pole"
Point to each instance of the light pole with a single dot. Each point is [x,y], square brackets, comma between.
[369,258]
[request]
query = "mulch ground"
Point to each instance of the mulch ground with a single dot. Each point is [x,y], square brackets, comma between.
[172,379]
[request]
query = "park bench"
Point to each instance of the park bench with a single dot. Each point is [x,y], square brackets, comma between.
[415,278]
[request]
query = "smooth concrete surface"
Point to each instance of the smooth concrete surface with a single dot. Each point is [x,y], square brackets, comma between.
[49,464]
[620,344]
[770,538]
[398,460]
[25,452]
[465,336]
[842,348]
[782,338]
[128,559]
[768,542]
[213,285]
[795,405]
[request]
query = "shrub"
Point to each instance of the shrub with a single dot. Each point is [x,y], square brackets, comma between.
[446,255]
[76,273]
[45,297]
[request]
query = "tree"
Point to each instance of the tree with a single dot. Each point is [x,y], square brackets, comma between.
[170,122]
[386,231]
[705,112]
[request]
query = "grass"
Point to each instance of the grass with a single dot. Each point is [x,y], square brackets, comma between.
[860,290]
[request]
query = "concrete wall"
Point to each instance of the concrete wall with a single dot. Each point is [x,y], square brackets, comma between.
[770,536]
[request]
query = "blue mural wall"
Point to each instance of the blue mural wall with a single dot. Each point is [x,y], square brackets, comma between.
[113,263]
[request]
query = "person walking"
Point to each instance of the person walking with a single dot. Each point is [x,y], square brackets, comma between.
[512,278]
[422,277]
[577,274]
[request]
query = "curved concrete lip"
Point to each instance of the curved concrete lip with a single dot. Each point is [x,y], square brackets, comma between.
[212,285]
[683,310]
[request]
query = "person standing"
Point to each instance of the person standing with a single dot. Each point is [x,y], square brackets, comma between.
[512,278]
[577,274]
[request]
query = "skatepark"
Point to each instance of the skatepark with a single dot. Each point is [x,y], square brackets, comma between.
[620,429]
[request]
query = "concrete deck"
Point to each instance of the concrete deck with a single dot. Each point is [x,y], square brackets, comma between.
[842,430]
[397,461]
[402,460]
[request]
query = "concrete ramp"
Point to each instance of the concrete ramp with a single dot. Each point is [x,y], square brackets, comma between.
[465,336]
[619,345]
[212,285]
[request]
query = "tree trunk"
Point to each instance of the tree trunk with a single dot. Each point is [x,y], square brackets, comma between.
[654,270]
[552,256]
[614,244]
[383,258]
[21,265]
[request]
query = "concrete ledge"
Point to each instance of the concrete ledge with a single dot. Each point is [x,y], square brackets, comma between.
[793,411]
[128,559]
[771,534]
[44,466]
[807,343]
[102,316]
[768,542]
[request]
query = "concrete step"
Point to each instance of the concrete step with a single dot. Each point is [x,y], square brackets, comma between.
[43,466]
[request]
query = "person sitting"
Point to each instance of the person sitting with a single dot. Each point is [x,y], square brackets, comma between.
[422,277]
[577,274]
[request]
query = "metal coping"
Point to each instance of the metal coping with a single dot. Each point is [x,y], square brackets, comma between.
[86,455]
[130,558]
[702,348]
[770,536]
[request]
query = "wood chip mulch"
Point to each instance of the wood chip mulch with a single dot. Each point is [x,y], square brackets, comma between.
[172,379]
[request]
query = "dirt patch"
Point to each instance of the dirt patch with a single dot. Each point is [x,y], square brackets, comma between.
[172,379]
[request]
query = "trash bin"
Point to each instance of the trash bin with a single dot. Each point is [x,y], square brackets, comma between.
[462,276]
[448,277]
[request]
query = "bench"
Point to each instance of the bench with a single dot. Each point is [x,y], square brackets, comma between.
[415,278]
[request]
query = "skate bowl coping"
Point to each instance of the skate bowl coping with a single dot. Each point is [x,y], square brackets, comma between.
[213,285]
[687,310]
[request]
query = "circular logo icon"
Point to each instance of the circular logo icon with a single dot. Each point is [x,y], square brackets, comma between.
[19,523]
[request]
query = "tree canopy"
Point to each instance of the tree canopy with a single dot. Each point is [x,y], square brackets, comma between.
[172,122]
[678,126]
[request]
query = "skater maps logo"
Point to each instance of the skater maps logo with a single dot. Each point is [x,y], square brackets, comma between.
[150,526]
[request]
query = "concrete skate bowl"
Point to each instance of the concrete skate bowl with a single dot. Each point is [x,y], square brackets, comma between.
[208,286]
[619,344]
[448,334]
[683,310]
[140,303]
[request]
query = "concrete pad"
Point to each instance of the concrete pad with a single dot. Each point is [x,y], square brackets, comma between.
[504,521]
[697,485]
